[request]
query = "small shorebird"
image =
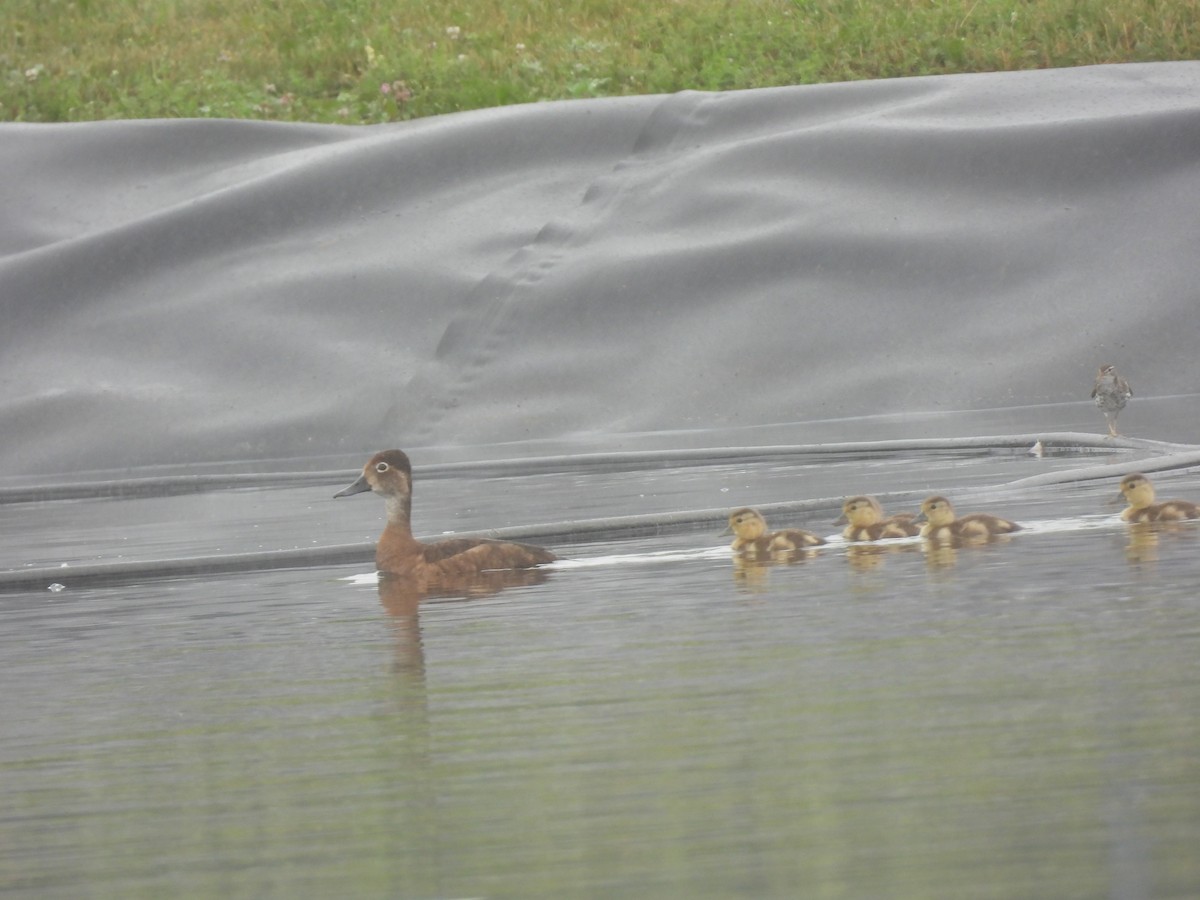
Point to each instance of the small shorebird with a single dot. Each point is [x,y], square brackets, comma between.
[1111,393]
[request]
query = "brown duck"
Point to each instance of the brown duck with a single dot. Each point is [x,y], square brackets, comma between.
[389,474]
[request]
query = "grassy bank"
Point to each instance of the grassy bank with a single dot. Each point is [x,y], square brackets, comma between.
[379,60]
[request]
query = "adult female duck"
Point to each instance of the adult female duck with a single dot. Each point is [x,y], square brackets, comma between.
[389,474]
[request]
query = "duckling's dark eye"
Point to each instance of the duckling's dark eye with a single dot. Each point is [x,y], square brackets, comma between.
[381,467]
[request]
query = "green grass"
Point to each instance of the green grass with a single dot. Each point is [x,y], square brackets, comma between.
[380,60]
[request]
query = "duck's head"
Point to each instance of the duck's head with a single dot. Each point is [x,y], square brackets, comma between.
[937,511]
[1137,490]
[860,512]
[388,473]
[747,524]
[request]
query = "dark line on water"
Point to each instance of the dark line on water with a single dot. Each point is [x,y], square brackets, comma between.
[174,485]
[589,530]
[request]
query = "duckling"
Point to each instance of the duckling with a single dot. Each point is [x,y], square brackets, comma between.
[943,525]
[1111,393]
[1139,492]
[389,474]
[868,523]
[752,540]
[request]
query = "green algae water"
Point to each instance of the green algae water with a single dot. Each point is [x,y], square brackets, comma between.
[647,719]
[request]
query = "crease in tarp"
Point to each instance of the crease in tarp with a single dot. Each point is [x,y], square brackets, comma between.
[488,314]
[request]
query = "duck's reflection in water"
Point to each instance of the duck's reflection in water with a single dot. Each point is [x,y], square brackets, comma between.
[943,554]
[401,597]
[751,572]
[940,556]
[1147,539]
[1142,546]
[869,557]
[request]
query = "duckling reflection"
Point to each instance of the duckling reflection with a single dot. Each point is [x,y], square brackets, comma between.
[389,474]
[752,541]
[940,556]
[751,575]
[1142,546]
[867,557]
[944,526]
[1139,494]
[867,521]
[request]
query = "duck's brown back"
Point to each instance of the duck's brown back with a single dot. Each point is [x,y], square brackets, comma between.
[898,526]
[979,524]
[1170,511]
[464,556]
[793,539]
[754,548]
[398,552]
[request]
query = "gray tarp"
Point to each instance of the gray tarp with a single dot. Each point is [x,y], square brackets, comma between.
[197,291]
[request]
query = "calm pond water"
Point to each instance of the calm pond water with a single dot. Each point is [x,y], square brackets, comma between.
[1016,720]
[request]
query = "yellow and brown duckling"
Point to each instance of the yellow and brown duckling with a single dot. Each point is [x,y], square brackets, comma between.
[389,474]
[943,525]
[1139,494]
[753,541]
[1111,393]
[867,521]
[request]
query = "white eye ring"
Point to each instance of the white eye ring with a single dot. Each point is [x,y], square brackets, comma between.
[381,467]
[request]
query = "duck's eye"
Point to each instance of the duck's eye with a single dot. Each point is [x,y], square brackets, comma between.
[381,467]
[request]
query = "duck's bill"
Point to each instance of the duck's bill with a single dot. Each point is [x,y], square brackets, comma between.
[357,488]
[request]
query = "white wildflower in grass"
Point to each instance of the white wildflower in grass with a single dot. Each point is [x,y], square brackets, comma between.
[453,32]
